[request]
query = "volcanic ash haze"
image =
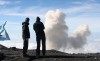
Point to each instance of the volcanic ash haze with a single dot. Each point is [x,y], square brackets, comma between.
[57,32]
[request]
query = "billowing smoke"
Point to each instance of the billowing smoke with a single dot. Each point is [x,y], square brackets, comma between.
[57,32]
[79,37]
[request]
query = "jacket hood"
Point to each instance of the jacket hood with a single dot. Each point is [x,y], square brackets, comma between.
[25,23]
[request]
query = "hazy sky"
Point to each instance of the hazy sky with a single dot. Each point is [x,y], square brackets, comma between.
[78,12]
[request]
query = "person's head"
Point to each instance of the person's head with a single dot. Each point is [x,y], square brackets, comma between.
[27,20]
[37,19]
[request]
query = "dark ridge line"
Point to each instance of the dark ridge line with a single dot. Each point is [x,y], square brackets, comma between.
[60,56]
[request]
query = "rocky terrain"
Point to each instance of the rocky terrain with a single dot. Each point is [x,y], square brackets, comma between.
[14,54]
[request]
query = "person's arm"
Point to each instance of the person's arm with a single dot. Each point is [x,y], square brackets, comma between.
[43,26]
[34,26]
[23,26]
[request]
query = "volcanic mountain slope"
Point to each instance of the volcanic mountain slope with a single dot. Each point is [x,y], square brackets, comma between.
[2,47]
[51,55]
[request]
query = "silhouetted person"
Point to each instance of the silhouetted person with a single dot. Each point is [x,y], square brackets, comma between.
[38,27]
[25,35]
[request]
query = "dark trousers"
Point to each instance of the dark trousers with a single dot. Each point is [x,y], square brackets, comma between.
[40,39]
[25,46]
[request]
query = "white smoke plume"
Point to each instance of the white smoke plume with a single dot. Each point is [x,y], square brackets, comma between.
[57,32]
[79,37]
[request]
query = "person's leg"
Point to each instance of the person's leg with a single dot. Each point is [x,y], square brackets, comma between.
[23,52]
[25,46]
[38,46]
[43,45]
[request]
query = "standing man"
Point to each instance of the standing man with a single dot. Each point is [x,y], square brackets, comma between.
[38,27]
[25,35]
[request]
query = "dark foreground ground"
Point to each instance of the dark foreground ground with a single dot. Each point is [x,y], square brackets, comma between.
[52,55]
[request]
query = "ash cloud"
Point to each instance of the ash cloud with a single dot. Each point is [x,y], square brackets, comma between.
[57,32]
[79,37]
